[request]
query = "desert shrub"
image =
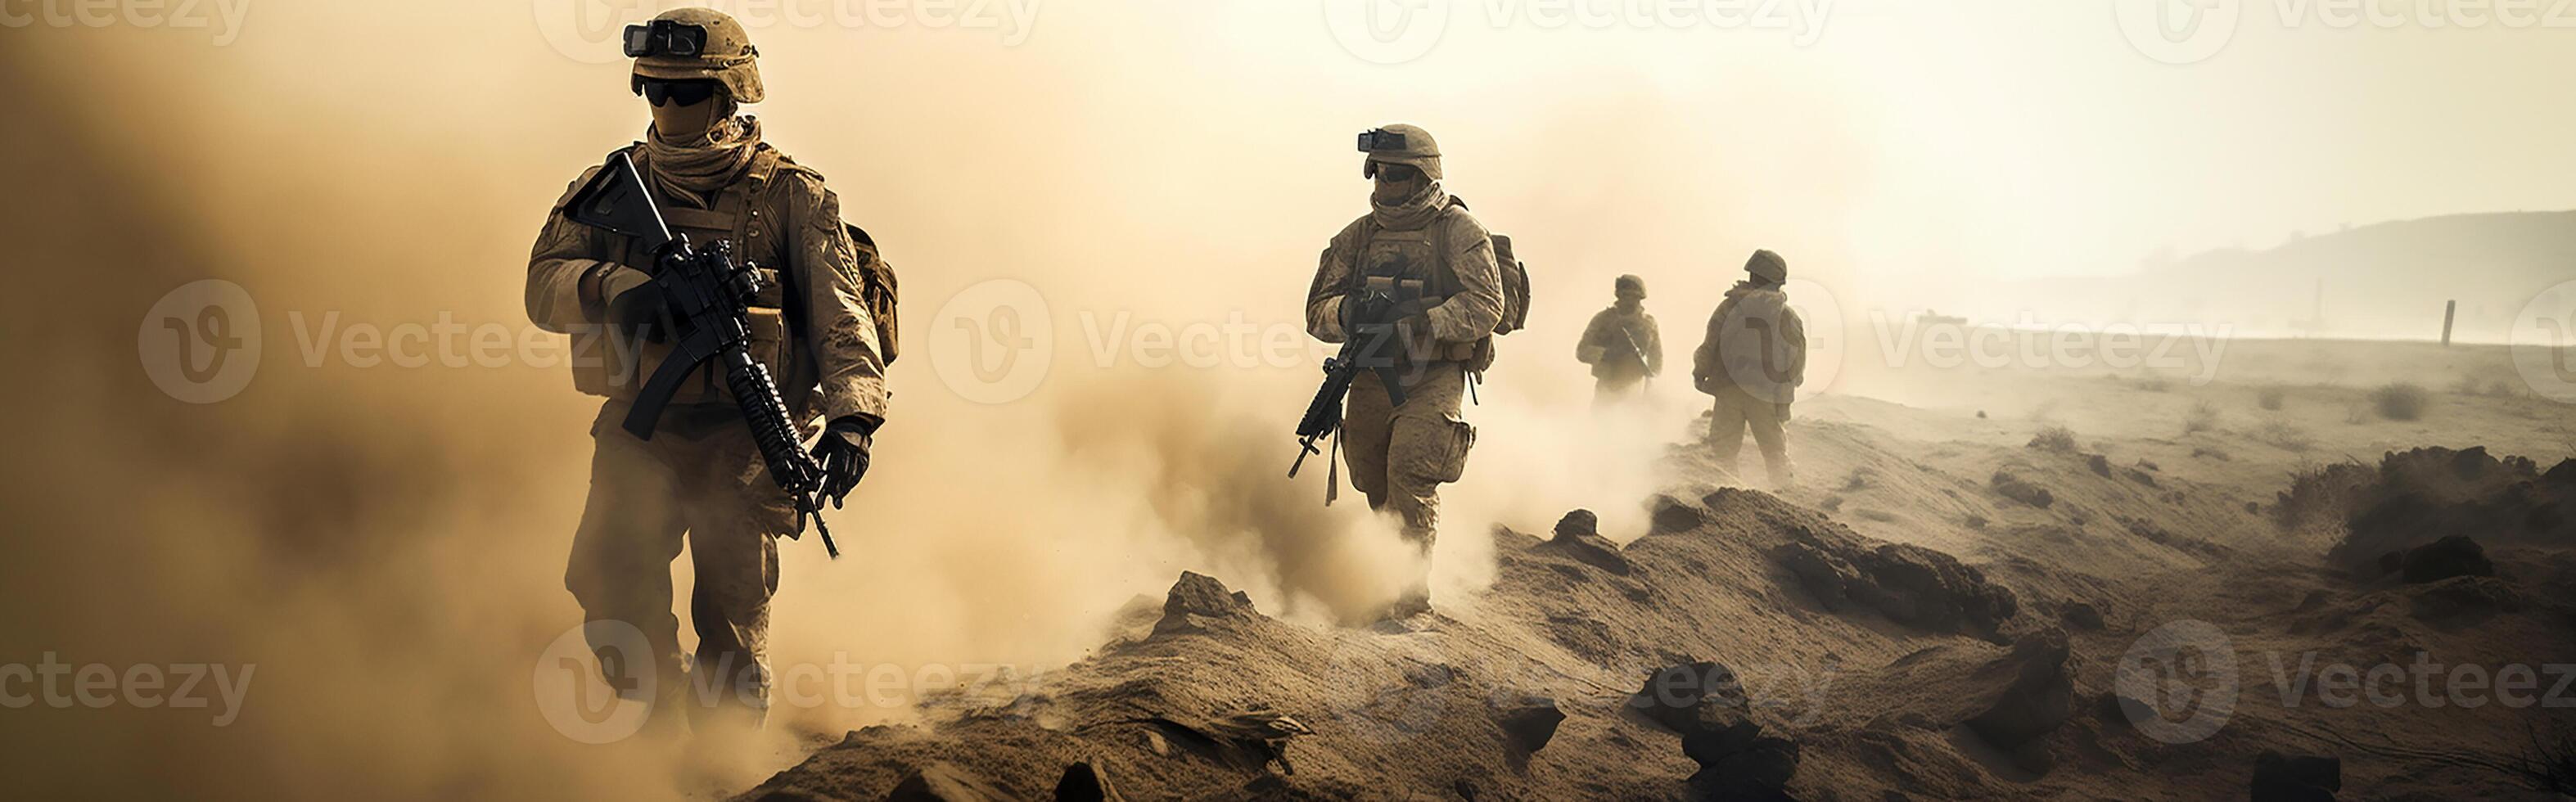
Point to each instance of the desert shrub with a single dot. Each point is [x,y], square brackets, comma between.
[2318,494]
[2284,436]
[2153,383]
[2401,400]
[2202,417]
[2270,398]
[2548,759]
[2055,439]
[2467,385]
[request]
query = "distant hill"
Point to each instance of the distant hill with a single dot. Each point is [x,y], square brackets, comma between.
[2387,280]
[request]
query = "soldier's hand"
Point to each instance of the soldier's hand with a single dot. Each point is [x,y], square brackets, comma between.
[637,306]
[844,455]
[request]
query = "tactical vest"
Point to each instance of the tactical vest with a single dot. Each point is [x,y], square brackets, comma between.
[1417,262]
[618,370]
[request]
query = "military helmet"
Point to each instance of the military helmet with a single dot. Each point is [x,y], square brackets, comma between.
[1403,144]
[1629,285]
[1768,266]
[697,43]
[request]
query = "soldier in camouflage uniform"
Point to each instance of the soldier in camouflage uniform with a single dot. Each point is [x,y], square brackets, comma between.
[1417,273]
[701,477]
[1622,345]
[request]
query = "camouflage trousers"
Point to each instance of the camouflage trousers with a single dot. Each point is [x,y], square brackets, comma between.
[1400,456]
[700,477]
[1738,411]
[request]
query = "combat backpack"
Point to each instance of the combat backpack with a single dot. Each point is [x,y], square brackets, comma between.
[876,290]
[1516,287]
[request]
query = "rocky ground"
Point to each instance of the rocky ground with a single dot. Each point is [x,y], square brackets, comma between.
[2075,586]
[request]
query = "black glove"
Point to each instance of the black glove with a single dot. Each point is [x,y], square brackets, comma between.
[643,309]
[843,452]
[1365,309]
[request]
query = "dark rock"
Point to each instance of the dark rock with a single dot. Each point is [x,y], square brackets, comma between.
[2563,474]
[1825,575]
[2296,778]
[1085,781]
[2101,465]
[1759,772]
[1578,538]
[2448,557]
[2038,693]
[2012,487]
[1198,597]
[1911,585]
[1530,722]
[1674,515]
[2081,615]
[2391,562]
[1680,697]
[941,782]
[2139,476]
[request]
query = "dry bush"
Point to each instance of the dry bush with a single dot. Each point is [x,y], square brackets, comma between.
[2056,439]
[2282,435]
[2153,383]
[2401,401]
[2548,760]
[2202,417]
[2270,398]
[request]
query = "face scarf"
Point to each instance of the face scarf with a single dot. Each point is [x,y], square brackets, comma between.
[692,170]
[1410,213]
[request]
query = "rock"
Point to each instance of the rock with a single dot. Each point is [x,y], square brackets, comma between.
[1909,584]
[1530,722]
[2038,692]
[2081,615]
[1578,538]
[1197,598]
[1085,781]
[2392,562]
[1674,515]
[2101,465]
[1722,730]
[1824,575]
[2296,778]
[2139,476]
[1675,696]
[2455,555]
[2012,487]
[941,782]
[2563,474]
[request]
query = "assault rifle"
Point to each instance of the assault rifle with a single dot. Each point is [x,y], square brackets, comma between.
[710,295]
[1360,347]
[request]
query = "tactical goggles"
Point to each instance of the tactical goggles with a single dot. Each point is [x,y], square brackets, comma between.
[1392,172]
[664,37]
[688,92]
[1376,139]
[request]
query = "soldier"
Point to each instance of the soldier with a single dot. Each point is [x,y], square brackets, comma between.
[1417,276]
[702,476]
[1622,345]
[1753,361]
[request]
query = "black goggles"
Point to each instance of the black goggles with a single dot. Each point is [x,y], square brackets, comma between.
[1398,173]
[688,92]
[1377,139]
[664,37]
